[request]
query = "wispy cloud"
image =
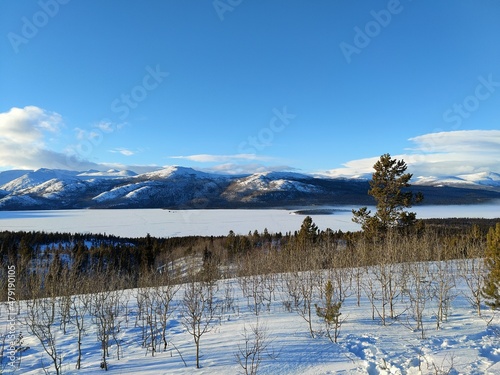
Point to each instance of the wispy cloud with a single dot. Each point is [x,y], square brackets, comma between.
[209,158]
[440,154]
[460,141]
[123,151]
[97,131]
[105,126]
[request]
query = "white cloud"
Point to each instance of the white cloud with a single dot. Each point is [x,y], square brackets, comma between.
[21,125]
[462,141]
[108,126]
[23,132]
[123,151]
[97,131]
[208,158]
[354,168]
[439,154]
[105,126]
[80,134]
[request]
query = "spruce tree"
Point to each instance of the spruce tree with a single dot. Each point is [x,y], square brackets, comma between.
[308,232]
[330,312]
[491,290]
[387,186]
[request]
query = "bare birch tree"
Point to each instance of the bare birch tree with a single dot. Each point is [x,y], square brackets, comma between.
[79,308]
[255,348]
[198,311]
[40,319]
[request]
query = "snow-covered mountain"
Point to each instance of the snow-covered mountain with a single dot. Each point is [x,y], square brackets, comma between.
[32,179]
[180,187]
[482,180]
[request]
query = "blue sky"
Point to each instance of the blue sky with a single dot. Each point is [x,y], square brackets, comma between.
[251,85]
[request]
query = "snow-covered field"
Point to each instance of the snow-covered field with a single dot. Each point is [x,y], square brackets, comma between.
[156,222]
[465,344]
[169,223]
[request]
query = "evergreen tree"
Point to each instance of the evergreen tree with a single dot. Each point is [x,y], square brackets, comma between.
[491,290]
[330,312]
[386,186]
[25,251]
[308,232]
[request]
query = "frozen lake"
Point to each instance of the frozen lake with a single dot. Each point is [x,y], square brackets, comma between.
[170,223]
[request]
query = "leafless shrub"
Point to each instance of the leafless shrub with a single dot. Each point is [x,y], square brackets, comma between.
[442,289]
[473,273]
[418,293]
[198,311]
[79,308]
[302,289]
[105,311]
[255,348]
[40,319]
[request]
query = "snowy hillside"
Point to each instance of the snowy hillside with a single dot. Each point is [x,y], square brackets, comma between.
[186,188]
[32,179]
[176,172]
[254,186]
[7,176]
[464,343]
[119,192]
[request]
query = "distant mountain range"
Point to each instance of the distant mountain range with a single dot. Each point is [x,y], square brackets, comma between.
[186,188]
[487,180]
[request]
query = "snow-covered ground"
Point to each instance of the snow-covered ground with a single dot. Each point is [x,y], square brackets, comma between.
[465,344]
[169,223]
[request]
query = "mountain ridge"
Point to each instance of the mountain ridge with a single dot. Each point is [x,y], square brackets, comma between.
[182,187]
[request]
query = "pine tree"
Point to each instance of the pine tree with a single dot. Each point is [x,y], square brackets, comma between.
[330,312]
[386,186]
[308,232]
[491,290]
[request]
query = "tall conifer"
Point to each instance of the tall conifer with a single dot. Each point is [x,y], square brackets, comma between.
[387,186]
[491,290]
